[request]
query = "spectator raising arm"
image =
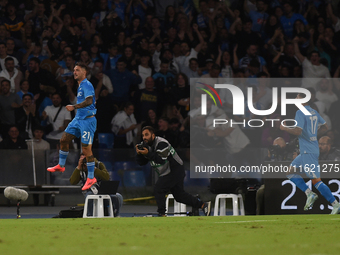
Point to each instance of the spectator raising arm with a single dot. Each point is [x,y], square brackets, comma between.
[235,56]
[28,53]
[335,19]
[200,37]
[297,50]
[213,31]
[233,26]
[33,13]
[278,55]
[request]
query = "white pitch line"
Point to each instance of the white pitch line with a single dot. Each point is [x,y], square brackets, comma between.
[244,221]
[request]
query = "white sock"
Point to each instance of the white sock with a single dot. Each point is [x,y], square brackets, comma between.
[335,202]
[308,191]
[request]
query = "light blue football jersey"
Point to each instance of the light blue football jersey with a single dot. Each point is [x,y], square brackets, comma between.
[309,124]
[85,90]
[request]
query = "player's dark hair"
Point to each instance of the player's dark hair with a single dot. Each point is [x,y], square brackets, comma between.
[151,129]
[82,66]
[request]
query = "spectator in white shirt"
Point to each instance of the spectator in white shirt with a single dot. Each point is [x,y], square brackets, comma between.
[192,71]
[38,142]
[12,74]
[3,56]
[325,94]
[311,68]
[144,70]
[60,123]
[188,53]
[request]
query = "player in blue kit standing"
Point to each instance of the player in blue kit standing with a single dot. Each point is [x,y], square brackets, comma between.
[306,129]
[83,125]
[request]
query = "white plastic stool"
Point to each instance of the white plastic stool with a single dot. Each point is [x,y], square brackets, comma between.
[98,206]
[178,207]
[221,200]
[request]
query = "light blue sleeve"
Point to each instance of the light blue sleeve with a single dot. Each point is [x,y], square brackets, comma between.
[88,90]
[300,119]
[321,121]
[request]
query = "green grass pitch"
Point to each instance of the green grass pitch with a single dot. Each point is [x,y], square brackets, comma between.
[290,234]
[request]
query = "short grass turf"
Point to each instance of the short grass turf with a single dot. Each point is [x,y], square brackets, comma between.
[292,234]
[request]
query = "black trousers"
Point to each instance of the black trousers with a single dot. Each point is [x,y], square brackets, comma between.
[173,182]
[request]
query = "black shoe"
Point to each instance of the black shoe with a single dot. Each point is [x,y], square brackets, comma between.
[206,208]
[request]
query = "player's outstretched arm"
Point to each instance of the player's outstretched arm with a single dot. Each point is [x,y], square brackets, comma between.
[88,101]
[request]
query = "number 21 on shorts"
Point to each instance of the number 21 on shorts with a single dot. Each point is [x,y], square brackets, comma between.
[86,135]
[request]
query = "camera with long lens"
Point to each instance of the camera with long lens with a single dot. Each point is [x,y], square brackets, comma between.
[277,153]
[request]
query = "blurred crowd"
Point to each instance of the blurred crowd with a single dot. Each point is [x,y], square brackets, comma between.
[141,55]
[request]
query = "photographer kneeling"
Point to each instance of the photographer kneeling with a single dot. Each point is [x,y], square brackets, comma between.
[170,169]
[101,174]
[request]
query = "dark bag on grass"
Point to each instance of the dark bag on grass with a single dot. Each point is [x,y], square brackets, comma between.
[73,212]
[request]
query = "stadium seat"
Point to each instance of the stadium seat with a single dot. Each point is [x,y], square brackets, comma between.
[178,207]
[105,140]
[98,206]
[108,166]
[134,178]
[129,173]
[220,204]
